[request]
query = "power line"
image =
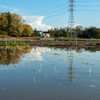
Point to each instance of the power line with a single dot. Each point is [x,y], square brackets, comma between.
[87,6]
[60,9]
[87,1]
[90,10]
[59,6]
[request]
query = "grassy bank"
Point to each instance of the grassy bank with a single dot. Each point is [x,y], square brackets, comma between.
[73,39]
[13,44]
[64,44]
[22,41]
[31,39]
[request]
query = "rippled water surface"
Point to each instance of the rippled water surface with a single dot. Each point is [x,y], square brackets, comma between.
[44,73]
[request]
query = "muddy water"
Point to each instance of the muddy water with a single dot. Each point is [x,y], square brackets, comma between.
[42,73]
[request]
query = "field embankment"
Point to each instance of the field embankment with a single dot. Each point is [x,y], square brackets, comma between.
[53,41]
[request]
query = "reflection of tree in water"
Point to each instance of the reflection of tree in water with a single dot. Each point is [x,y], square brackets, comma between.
[12,55]
[79,49]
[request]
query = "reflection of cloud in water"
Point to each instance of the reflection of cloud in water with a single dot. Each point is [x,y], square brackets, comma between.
[36,54]
[7,68]
[95,81]
[92,86]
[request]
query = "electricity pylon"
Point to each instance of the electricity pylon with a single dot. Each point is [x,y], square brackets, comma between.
[71,17]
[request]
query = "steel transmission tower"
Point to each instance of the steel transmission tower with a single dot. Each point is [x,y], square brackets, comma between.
[71,17]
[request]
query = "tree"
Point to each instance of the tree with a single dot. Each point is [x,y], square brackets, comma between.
[91,32]
[35,32]
[28,31]
[9,18]
[12,24]
[3,24]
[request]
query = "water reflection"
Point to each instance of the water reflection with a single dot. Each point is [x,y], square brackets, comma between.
[35,54]
[50,73]
[12,55]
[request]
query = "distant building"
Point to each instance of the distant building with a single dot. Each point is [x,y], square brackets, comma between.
[46,34]
[39,33]
[43,34]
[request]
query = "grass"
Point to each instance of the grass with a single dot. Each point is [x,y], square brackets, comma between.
[13,44]
[73,39]
[4,36]
[30,39]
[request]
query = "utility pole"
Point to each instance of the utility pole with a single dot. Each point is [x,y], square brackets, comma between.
[71,16]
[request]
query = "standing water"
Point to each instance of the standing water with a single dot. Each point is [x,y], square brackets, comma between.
[44,73]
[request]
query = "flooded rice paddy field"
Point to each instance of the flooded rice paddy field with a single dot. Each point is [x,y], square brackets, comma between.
[44,73]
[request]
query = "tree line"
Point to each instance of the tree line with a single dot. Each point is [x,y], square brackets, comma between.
[12,24]
[91,32]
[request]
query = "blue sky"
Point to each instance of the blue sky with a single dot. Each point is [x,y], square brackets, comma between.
[44,14]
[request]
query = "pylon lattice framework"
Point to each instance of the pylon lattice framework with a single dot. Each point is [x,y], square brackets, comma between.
[71,16]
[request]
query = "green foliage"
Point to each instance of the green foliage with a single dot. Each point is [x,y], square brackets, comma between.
[12,24]
[3,22]
[35,32]
[13,44]
[27,31]
[91,32]
[57,32]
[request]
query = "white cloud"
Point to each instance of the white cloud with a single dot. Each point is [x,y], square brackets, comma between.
[36,22]
[74,25]
[12,9]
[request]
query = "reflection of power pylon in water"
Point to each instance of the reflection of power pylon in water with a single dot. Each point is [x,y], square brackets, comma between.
[70,68]
[5,50]
[34,81]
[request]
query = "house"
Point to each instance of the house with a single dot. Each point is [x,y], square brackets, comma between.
[43,34]
[46,34]
[39,33]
